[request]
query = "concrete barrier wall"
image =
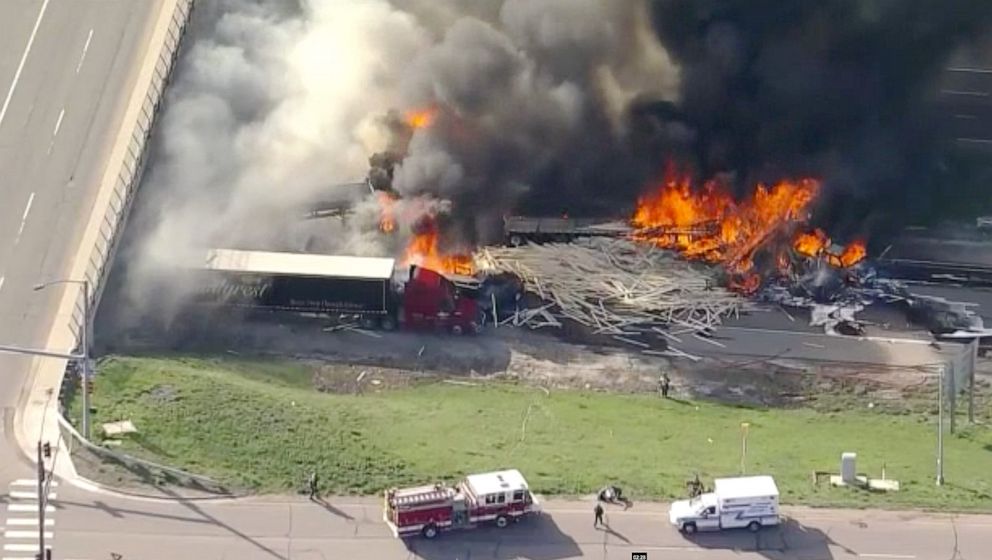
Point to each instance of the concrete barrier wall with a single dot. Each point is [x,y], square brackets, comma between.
[37,416]
[130,170]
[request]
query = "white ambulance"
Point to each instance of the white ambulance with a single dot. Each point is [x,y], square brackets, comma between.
[749,501]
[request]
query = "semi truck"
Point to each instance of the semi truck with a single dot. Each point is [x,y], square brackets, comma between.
[360,288]
[743,502]
[518,230]
[499,498]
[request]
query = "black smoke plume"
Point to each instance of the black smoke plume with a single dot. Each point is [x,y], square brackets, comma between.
[839,89]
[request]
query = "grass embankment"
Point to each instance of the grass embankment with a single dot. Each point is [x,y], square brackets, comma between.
[261,425]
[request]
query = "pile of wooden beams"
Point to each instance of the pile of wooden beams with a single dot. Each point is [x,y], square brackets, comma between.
[616,287]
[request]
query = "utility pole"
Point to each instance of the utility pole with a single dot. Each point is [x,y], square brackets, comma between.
[940,427]
[43,552]
[84,344]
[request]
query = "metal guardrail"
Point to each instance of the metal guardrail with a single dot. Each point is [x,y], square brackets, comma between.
[147,470]
[113,223]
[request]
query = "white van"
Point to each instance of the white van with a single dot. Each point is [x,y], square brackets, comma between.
[748,501]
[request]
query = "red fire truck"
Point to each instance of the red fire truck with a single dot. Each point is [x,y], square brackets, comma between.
[499,497]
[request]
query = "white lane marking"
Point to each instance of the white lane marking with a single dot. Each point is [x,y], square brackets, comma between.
[1,282]
[25,495]
[28,507]
[58,123]
[26,535]
[86,47]
[24,57]
[24,218]
[819,335]
[905,556]
[22,521]
[31,482]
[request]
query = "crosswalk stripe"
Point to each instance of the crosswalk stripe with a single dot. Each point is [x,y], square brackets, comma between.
[25,535]
[33,483]
[19,521]
[22,495]
[21,547]
[28,507]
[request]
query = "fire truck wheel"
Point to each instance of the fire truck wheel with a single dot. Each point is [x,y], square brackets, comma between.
[516,240]
[388,324]
[430,531]
[456,330]
[502,521]
[754,526]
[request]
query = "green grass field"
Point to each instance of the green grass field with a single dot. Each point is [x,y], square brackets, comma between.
[259,425]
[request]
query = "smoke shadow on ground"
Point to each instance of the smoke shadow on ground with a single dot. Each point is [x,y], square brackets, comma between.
[790,539]
[298,337]
[534,538]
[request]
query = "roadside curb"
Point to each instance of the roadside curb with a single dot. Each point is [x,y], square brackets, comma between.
[88,485]
[38,406]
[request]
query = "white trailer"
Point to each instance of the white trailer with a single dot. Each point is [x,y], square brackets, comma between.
[748,501]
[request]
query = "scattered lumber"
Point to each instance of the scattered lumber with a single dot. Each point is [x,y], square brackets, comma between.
[614,287]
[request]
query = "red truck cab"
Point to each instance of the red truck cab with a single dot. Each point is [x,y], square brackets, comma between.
[498,497]
[432,301]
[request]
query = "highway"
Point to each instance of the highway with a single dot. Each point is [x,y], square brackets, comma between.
[66,68]
[92,526]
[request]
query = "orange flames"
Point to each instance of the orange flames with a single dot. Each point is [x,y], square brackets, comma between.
[854,253]
[816,244]
[420,118]
[710,225]
[811,244]
[387,217]
[423,250]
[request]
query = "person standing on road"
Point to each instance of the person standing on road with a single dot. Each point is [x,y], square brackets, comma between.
[312,483]
[599,516]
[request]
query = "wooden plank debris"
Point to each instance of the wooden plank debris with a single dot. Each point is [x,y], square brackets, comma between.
[614,287]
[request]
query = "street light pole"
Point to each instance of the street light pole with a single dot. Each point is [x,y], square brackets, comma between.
[84,343]
[940,428]
[84,338]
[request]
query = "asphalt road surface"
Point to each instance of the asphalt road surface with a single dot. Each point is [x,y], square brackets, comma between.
[66,68]
[92,526]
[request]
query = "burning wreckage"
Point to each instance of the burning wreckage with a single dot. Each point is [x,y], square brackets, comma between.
[686,259]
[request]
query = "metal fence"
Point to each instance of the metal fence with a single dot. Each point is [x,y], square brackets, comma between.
[140,469]
[114,219]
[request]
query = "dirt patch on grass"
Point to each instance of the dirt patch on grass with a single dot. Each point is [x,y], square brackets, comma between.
[348,379]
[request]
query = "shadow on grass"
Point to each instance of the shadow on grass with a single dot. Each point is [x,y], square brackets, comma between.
[790,538]
[534,538]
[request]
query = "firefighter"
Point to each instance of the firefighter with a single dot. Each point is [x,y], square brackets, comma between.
[312,484]
[599,516]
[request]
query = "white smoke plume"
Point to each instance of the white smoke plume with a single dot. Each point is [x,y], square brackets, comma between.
[276,102]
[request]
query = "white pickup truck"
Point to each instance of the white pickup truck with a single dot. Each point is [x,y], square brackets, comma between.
[749,501]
